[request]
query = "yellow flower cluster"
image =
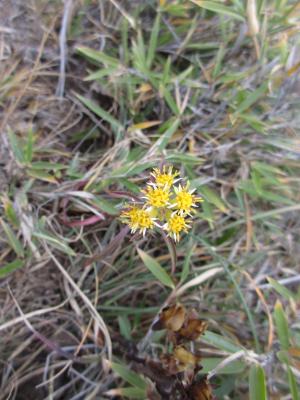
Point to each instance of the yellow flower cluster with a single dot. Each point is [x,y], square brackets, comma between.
[163,203]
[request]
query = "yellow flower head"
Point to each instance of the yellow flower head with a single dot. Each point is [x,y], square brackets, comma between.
[157,196]
[175,225]
[162,204]
[165,177]
[138,218]
[184,200]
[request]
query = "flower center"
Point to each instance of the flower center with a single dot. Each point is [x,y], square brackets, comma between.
[144,220]
[176,224]
[165,179]
[184,201]
[158,197]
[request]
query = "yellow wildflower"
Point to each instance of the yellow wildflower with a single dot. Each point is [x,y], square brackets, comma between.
[165,177]
[138,218]
[175,225]
[157,196]
[162,205]
[184,200]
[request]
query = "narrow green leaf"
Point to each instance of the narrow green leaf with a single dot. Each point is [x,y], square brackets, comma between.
[186,264]
[165,92]
[125,327]
[271,196]
[129,376]
[257,181]
[100,112]
[294,387]
[28,151]
[47,166]
[131,169]
[281,325]
[163,141]
[220,342]
[218,8]
[124,34]
[16,147]
[156,269]
[254,122]
[10,267]
[106,206]
[166,76]
[98,56]
[257,383]
[153,41]
[251,99]
[139,54]
[10,213]
[186,159]
[55,242]
[283,356]
[132,187]
[207,213]
[100,74]
[218,63]
[235,367]
[212,197]
[263,167]
[141,48]
[41,174]
[12,239]
[282,290]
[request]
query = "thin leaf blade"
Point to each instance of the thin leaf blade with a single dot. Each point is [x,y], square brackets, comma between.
[257,383]
[156,269]
[100,112]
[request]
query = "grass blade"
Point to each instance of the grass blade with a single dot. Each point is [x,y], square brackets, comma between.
[153,41]
[257,383]
[55,242]
[211,196]
[220,342]
[28,151]
[98,56]
[163,141]
[251,99]
[129,376]
[16,147]
[100,112]
[156,269]
[294,388]
[12,239]
[219,9]
[10,267]
[281,326]
[282,290]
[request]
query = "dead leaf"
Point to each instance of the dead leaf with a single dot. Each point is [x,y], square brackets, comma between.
[144,88]
[185,358]
[143,125]
[192,329]
[200,390]
[171,318]
[179,361]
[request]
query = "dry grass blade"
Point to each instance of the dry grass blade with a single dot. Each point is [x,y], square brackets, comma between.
[266,307]
[198,280]
[29,315]
[97,317]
